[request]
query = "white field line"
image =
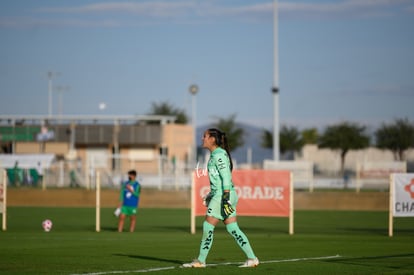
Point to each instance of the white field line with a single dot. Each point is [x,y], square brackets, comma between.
[218,264]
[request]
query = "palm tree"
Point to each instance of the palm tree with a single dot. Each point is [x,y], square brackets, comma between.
[267,139]
[344,136]
[397,137]
[233,132]
[166,109]
[290,140]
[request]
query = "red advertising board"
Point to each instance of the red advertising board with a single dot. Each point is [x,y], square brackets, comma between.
[261,192]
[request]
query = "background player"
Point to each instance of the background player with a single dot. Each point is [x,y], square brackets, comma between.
[129,199]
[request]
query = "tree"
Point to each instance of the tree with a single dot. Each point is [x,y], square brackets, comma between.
[310,136]
[397,137]
[344,137]
[166,109]
[267,139]
[290,140]
[233,132]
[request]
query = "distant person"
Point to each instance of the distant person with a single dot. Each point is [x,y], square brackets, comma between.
[222,200]
[39,170]
[73,179]
[129,200]
[17,174]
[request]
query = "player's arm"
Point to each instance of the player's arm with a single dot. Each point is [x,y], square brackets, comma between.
[137,191]
[223,167]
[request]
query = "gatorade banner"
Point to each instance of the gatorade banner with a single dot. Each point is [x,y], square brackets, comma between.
[403,195]
[261,192]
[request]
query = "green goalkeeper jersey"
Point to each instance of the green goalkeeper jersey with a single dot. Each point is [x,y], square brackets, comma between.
[219,171]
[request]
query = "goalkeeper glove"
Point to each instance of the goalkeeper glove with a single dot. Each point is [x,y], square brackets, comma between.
[117,212]
[226,205]
[207,199]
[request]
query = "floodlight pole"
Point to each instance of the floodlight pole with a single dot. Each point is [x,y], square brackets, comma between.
[61,90]
[193,91]
[275,88]
[50,75]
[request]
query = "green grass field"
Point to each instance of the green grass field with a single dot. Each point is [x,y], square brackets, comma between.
[325,242]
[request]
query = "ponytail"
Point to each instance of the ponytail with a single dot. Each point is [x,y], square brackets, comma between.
[221,141]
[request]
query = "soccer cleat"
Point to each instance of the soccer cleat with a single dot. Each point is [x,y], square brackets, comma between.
[250,263]
[195,263]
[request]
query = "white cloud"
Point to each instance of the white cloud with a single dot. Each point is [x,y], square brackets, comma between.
[112,14]
[155,9]
[410,8]
[33,22]
[345,8]
[162,9]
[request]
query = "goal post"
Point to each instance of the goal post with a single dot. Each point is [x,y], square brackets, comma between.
[391,207]
[98,202]
[3,199]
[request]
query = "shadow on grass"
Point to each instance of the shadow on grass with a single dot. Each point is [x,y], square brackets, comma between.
[369,231]
[149,258]
[109,228]
[163,228]
[375,260]
[375,231]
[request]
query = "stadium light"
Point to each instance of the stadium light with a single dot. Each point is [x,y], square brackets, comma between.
[275,88]
[193,91]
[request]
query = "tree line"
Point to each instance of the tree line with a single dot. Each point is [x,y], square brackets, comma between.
[397,136]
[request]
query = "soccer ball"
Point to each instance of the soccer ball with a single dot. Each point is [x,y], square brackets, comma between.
[47,225]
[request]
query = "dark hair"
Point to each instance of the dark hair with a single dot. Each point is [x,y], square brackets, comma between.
[221,141]
[132,172]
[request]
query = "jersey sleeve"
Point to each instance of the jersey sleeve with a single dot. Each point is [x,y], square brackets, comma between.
[137,190]
[223,167]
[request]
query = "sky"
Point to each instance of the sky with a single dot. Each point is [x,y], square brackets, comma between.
[339,60]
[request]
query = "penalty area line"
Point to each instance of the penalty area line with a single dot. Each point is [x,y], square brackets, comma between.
[283,260]
[217,264]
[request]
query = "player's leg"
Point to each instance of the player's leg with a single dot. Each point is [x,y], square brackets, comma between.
[212,218]
[207,238]
[242,240]
[133,219]
[121,222]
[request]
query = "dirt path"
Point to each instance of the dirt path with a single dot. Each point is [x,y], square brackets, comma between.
[182,199]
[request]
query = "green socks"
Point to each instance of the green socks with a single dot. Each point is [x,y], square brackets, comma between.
[206,241]
[241,239]
[234,230]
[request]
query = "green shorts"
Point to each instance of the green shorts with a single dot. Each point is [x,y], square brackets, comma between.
[214,208]
[128,210]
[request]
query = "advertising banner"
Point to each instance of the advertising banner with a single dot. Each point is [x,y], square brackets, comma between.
[403,195]
[261,192]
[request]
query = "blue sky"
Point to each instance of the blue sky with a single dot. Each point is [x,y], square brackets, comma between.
[339,60]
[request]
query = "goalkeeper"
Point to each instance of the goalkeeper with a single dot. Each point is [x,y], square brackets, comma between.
[129,199]
[222,200]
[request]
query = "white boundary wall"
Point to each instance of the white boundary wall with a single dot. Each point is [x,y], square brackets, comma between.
[26,160]
[302,171]
[377,173]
